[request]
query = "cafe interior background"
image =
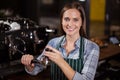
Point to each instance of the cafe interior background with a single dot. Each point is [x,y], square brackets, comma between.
[27,26]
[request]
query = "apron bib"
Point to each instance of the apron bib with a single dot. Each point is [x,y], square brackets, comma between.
[76,64]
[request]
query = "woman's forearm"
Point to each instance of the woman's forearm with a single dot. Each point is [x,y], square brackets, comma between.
[67,70]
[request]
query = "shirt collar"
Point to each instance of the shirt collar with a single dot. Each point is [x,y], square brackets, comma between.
[77,42]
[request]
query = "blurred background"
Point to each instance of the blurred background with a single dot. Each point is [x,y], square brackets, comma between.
[27,25]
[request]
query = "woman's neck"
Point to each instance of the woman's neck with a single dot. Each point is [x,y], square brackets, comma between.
[70,43]
[71,39]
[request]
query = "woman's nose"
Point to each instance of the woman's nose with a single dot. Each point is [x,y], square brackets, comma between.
[71,23]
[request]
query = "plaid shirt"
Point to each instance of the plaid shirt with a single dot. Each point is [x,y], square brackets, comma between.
[91,56]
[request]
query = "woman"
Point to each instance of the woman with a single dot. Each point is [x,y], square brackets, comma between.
[73,56]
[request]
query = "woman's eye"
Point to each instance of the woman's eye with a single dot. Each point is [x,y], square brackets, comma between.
[66,19]
[75,19]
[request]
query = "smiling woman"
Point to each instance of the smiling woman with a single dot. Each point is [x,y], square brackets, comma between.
[73,56]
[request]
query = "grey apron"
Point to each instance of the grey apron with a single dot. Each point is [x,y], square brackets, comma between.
[76,64]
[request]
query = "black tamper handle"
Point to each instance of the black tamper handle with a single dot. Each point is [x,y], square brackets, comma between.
[47,49]
[35,61]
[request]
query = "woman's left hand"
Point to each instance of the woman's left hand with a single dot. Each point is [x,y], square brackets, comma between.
[54,55]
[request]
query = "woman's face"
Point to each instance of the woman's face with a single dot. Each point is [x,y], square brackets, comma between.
[71,22]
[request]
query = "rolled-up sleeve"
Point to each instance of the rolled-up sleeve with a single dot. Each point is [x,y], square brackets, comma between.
[38,68]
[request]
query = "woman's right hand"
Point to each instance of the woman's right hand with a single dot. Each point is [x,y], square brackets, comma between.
[26,60]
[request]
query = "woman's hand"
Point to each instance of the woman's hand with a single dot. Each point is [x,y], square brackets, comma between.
[54,55]
[26,60]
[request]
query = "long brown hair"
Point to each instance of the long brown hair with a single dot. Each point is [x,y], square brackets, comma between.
[79,7]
